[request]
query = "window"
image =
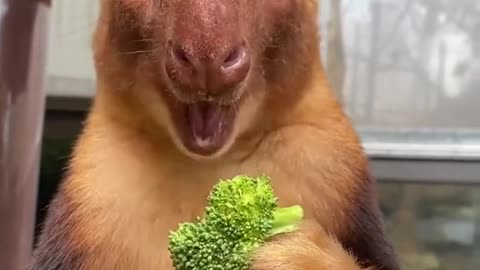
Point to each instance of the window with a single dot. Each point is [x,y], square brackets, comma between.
[407,73]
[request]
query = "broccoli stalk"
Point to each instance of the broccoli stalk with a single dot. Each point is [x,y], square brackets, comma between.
[241,214]
[286,219]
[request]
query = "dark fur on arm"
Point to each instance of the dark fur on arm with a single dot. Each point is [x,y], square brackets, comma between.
[366,238]
[57,249]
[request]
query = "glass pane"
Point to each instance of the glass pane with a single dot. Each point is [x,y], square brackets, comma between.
[433,227]
[407,73]
[405,63]
[70,62]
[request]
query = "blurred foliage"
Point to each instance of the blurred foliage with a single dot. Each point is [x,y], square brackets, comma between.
[433,226]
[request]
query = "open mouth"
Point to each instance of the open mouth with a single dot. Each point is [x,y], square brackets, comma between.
[205,127]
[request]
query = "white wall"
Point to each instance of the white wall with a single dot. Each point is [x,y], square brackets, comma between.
[70,54]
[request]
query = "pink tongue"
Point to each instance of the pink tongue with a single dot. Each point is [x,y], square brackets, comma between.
[205,121]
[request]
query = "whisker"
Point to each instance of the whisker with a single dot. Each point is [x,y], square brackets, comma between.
[143,40]
[138,52]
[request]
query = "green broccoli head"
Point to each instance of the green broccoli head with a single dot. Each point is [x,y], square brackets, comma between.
[241,214]
[242,207]
[195,246]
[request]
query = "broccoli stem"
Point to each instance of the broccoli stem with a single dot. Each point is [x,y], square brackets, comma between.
[286,219]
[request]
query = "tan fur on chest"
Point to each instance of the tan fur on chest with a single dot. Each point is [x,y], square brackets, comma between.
[140,193]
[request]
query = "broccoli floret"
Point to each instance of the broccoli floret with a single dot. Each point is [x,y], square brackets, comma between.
[241,214]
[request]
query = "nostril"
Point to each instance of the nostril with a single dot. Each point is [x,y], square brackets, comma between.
[236,56]
[179,55]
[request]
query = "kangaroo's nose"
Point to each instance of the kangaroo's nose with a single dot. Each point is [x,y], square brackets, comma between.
[213,69]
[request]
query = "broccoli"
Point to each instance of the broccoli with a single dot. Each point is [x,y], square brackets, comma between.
[241,214]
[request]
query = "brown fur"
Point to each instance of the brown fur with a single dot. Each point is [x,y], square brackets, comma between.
[130,181]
